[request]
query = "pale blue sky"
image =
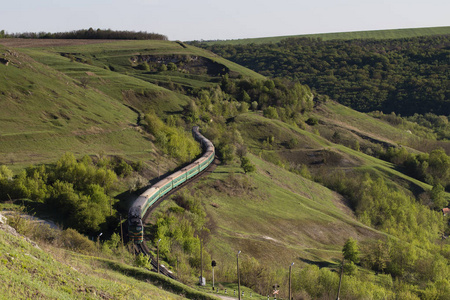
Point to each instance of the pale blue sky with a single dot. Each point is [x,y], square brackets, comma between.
[231,19]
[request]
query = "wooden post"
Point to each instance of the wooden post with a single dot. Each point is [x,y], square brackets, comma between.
[157,255]
[340,279]
[121,230]
[239,276]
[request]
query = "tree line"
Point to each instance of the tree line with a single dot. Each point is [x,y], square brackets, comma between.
[98,34]
[406,76]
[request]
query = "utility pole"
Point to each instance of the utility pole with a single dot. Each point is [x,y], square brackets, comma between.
[340,279]
[290,272]
[121,229]
[201,262]
[238,275]
[213,264]
[157,255]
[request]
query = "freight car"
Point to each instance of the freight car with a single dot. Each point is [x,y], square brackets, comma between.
[161,188]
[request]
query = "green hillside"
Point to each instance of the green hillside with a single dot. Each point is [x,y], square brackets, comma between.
[369,34]
[79,104]
[53,273]
[299,176]
[47,113]
[401,75]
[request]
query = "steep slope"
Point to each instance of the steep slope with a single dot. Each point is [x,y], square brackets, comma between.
[46,113]
[53,273]
[274,216]
[89,97]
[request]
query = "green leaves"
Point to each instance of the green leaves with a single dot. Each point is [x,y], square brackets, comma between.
[351,250]
[247,165]
[406,76]
[173,140]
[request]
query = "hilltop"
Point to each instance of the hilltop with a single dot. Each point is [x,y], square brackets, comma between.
[406,76]
[369,34]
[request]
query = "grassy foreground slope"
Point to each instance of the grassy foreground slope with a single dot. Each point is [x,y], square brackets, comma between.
[30,272]
[370,34]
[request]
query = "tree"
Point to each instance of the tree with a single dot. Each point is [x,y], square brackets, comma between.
[438,197]
[377,256]
[254,105]
[162,68]
[351,250]
[247,165]
[142,261]
[244,107]
[246,97]
[171,66]
[5,173]
[271,113]
[226,152]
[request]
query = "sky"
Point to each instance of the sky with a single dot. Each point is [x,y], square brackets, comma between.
[188,20]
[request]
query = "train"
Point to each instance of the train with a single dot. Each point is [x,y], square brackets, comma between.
[148,198]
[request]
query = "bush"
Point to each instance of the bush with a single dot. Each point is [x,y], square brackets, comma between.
[142,261]
[271,113]
[312,121]
[144,66]
[72,240]
[246,165]
[162,68]
[350,268]
[226,152]
[171,66]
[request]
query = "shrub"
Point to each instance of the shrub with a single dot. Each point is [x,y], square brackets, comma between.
[72,240]
[142,261]
[171,66]
[246,165]
[271,113]
[162,68]
[312,121]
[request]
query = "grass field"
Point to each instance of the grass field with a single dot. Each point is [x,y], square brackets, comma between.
[33,273]
[46,113]
[372,34]
[284,217]
[52,104]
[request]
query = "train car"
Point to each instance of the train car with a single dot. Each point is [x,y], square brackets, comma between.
[164,186]
[135,226]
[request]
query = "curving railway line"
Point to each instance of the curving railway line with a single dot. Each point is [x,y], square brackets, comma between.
[152,197]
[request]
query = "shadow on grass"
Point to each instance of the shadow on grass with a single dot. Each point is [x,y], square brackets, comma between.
[320,264]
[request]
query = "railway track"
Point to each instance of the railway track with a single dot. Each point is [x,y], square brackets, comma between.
[142,247]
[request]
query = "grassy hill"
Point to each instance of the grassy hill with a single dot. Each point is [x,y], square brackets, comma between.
[54,273]
[283,213]
[87,101]
[90,98]
[370,34]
